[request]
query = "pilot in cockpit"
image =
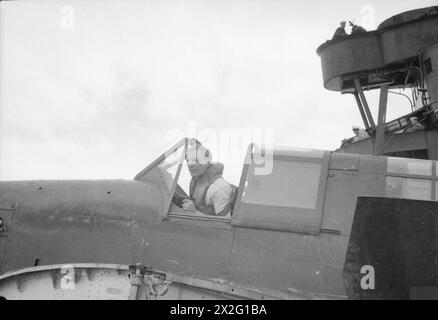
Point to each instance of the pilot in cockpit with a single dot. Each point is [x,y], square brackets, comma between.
[209,193]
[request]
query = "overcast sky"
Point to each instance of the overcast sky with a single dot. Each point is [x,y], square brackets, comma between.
[91,89]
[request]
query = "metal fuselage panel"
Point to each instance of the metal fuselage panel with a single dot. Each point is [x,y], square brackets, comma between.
[75,221]
[119,222]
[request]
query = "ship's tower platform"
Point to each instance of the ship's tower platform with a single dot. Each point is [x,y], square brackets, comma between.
[401,54]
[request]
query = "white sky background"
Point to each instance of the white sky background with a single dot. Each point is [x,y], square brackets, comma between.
[97,101]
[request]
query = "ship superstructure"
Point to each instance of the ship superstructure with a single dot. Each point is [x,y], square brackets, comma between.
[401,54]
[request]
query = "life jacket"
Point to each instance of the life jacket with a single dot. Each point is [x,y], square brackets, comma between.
[199,186]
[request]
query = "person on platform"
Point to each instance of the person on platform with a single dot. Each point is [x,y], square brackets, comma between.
[340,31]
[359,134]
[355,29]
[414,126]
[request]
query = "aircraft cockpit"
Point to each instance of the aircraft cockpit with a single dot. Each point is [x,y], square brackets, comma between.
[288,183]
[171,174]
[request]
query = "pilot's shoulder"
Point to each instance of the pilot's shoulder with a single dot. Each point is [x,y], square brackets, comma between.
[219,186]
